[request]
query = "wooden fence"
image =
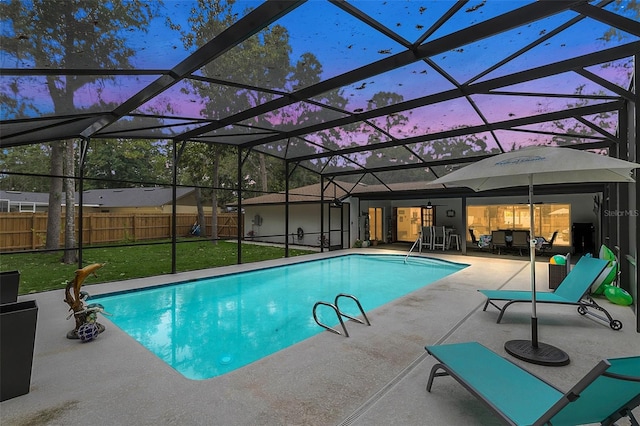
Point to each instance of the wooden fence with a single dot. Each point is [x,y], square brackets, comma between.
[28,231]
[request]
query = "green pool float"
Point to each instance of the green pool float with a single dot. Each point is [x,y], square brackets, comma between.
[612,268]
[617,295]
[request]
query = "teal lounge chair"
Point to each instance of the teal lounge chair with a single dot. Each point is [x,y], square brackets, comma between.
[573,290]
[605,394]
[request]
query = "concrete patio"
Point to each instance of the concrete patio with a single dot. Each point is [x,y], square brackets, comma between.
[375,377]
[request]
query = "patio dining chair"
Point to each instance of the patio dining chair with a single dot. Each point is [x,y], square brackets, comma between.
[474,241]
[548,245]
[426,240]
[520,241]
[439,238]
[498,240]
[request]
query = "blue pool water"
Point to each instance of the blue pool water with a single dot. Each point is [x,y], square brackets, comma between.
[208,327]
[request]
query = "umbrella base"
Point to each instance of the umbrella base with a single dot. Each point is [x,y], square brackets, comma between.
[542,354]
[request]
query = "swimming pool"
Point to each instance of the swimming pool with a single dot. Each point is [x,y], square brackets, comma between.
[208,327]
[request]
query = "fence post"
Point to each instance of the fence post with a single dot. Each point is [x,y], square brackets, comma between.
[91,226]
[134,226]
[33,232]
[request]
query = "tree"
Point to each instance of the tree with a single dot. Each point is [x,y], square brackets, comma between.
[265,58]
[118,163]
[54,214]
[69,34]
[24,162]
[70,211]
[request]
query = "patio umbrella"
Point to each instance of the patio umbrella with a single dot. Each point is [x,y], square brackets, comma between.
[536,166]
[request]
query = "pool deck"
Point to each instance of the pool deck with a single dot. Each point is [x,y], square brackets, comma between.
[377,376]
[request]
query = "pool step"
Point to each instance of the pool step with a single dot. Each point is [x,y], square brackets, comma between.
[340,314]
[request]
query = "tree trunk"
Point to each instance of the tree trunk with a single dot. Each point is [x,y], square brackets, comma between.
[54,215]
[263,172]
[214,197]
[200,207]
[70,255]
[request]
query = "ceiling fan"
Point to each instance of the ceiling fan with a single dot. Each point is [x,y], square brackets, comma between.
[429,205]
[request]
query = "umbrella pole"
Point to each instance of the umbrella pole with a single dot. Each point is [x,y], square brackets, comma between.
[531,350]
[532,258]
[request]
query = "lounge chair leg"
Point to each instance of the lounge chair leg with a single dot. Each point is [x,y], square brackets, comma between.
[503,310]
[434,374]
[625,412]
[583,309]
[485,305]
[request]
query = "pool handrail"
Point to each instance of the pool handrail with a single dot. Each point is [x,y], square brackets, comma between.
[418,241]
[335,308]
[357,303]
[340,314]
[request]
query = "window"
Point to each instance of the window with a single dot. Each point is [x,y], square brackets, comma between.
[549,218]
[375,224]
[428,216]
[412,219]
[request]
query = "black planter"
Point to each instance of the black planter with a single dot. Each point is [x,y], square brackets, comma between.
[17,338]
[9,282]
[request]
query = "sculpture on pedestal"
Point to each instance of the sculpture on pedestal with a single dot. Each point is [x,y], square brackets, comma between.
[87,328]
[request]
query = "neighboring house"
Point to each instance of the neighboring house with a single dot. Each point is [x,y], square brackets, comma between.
[119,200]
[142,200]
[18,201]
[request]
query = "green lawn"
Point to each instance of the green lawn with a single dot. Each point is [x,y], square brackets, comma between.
[44,271]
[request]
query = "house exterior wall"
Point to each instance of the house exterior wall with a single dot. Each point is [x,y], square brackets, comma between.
[270,226]
[581,210]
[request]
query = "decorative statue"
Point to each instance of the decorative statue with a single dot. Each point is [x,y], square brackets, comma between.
[87,327]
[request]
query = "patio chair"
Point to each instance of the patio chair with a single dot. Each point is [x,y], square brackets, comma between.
[548,245]
[439,238]
[498,240]
[474,241]
[426,238]
[520,240]
[573,290]
[605,394]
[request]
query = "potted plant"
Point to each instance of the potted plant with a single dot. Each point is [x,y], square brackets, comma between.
[357,243]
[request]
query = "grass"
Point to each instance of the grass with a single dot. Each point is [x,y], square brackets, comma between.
[44,271]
